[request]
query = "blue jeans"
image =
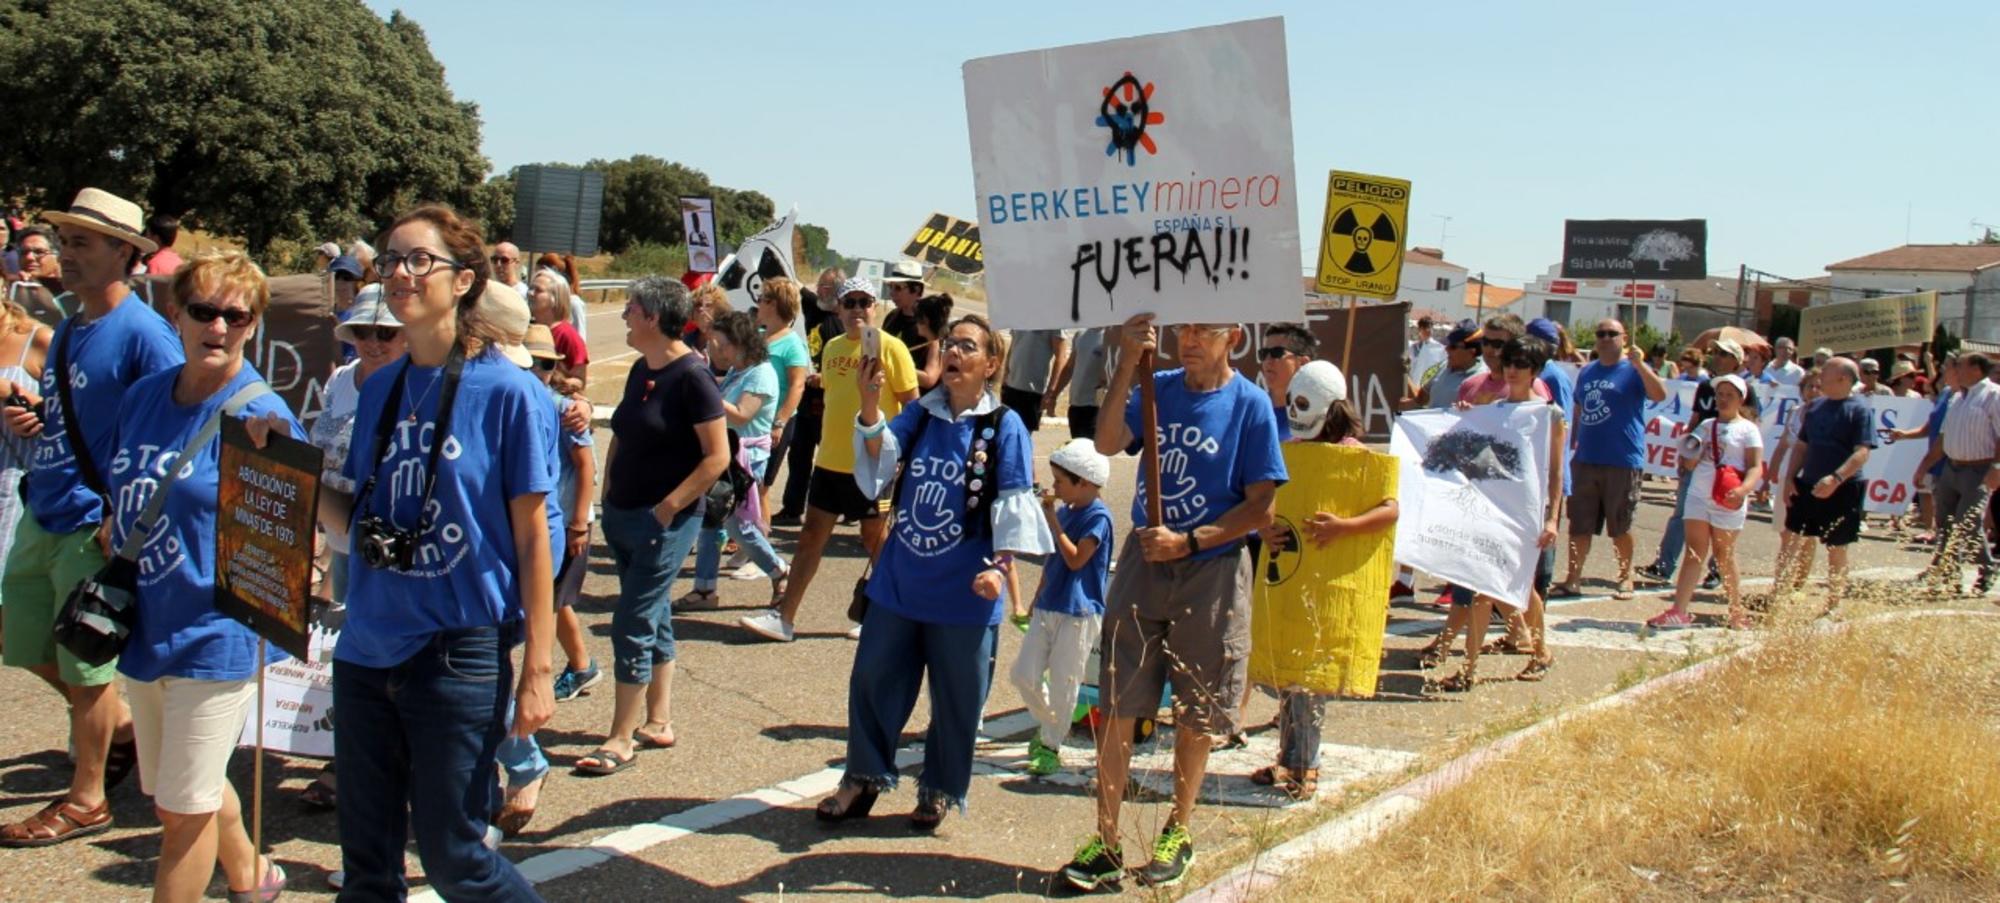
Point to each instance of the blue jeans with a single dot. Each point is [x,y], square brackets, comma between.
[708,551]
[1301,716]
[889,667]
[415,749]
[647,556]
[520,757]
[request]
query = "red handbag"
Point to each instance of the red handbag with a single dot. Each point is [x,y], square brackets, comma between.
[1727,478]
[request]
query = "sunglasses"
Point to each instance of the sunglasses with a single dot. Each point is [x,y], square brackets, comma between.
[856,303]
[1609,334]
[377,333]
[500,261]
[1494,343]
[236,317]
[545,363]
[1272,354]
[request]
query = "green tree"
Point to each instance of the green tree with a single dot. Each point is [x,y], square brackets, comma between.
[642,200]
[263,119]
[493,203]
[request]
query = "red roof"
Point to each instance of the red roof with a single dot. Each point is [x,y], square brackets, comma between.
[1927,258]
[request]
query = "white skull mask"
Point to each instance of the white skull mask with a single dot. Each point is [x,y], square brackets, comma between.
[1311,396]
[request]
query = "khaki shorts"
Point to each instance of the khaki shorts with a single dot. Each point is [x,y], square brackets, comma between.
[41,570]
[1602,498]
[185,730]
[1185,621]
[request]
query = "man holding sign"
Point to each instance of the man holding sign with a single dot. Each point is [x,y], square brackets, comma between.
[1179,602]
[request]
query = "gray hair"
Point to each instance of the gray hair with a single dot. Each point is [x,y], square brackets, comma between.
[558,290]
[665,300]
[1786,343]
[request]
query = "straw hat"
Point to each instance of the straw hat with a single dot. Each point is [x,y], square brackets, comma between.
[107,214]
[541,343]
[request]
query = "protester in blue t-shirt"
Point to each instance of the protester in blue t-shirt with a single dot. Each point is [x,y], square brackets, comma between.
[1824,491]
[965,505]
[190,670]
[1179,602]
[113,340]
[1069,606]
[750,399]
[1610,453]
[452,568]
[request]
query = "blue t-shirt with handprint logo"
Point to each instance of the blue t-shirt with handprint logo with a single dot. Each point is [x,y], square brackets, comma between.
[1213,446]
[926,570]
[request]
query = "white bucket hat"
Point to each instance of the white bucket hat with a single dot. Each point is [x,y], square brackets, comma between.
[1080,457]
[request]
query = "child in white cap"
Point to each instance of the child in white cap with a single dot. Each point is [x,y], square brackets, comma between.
[1069,604]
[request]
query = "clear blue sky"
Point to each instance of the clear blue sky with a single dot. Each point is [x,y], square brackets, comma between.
[1804,132]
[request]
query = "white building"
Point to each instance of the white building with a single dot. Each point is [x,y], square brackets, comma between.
[1570,301]
[1966,278]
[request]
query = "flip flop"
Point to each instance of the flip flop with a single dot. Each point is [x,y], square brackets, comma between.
[651,740]
[514,818]
[607,762]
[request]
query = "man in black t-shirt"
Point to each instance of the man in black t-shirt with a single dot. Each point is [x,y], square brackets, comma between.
[821,326]
[905,284]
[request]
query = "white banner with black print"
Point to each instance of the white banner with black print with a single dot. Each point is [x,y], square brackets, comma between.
[1474,487]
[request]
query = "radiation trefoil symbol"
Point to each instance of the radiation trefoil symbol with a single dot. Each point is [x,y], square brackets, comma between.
[1127,109]
[1362,239]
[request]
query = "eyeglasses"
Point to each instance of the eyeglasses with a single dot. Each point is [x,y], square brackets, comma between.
[1609,334]
[962,346]
[418,263]
[1272,354]
[236,317]
[38,252]
[545,363]
[856,303]
[377,333]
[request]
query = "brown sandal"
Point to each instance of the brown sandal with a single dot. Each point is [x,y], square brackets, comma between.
[1535,671]
[1432,656]
[1460,682]
[1271,776]
[1503,646]
[57,822]
[1304,786]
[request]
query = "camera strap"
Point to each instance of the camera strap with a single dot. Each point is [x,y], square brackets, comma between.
[86,469]
[149,517]
[454,366]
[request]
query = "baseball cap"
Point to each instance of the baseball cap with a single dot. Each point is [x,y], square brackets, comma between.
[1544,329]
[857,284]
[329,249]
[1727,346]
[1870,365]
[1465,331]
[344,265]
[1734,380]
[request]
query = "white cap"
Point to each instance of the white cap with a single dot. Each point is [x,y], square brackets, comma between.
[1311,396]
[1081,457]
[1742,391]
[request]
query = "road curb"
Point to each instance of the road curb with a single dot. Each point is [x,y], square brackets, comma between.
[1371,819]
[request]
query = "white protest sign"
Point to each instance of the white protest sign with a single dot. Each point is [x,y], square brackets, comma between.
[298,702]
[1666,421]
[1891,470]
[1474,488]
[1149,174]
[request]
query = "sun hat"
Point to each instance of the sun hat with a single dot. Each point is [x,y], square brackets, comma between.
[502,307]
[1311,396]
[1902,369]
[856,284]
[1080,457]
[106,214]
[368,310]
[904,271]
[541,343]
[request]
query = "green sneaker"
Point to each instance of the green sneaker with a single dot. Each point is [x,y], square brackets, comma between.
[1042,760]
[1172,854]
[1095,866]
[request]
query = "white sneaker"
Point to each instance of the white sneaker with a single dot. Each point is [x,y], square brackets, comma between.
[493,837]
[748,570]
[854,633]
[768,625]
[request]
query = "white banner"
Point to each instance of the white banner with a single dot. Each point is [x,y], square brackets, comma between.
[1890,470]
[298,703]
[1149,174]
[1474,489]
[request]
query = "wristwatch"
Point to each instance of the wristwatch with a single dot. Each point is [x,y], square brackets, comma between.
[1194,545]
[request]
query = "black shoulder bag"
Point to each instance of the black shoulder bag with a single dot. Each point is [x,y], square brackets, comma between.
[977,502]
[85,467]
[96,619]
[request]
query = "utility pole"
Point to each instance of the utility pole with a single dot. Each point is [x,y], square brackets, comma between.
[1481,300]
[1970,291]
[1444,230]
[1742,270]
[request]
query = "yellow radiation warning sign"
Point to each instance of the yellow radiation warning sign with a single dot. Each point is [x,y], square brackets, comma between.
[1361,241]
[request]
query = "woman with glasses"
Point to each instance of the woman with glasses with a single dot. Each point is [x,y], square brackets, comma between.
[377,337]
[189,670]
[454,568]
[964,506]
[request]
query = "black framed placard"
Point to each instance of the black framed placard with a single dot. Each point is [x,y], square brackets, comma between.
[266,511]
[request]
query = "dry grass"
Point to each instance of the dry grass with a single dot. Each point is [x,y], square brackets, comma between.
[1847,767]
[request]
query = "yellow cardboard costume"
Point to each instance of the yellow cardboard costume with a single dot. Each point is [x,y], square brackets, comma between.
[1318,612]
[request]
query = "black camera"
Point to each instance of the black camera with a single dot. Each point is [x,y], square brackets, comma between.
[384,547]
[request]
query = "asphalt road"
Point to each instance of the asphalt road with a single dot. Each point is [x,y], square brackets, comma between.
[726,814]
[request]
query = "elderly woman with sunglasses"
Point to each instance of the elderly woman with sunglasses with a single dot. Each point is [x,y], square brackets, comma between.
[964,506]
[189,670]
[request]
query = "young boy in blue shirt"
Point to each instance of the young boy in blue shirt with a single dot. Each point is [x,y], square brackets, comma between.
[1069,604]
